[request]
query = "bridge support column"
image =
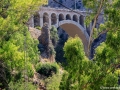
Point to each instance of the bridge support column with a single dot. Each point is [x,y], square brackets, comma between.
[31,21]
[79,20]
[41,21]
[84,23]
[57,22]
[90,26]
[49,22]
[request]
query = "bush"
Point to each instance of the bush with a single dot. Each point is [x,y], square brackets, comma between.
[38,27]
[53,83]
[18,76]
[53,35]
[47,69]
[30,71]
[22,86]
[63,82]
[38,66]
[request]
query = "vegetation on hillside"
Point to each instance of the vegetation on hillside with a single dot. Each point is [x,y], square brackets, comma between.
[53,35]
[19,53]
[85,74]
[100,72]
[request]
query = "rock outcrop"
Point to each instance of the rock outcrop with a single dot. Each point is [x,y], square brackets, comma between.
[35,33]
[46,47]
[67,3]
[44,38]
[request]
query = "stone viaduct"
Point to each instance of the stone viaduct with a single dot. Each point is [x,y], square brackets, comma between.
[70,21]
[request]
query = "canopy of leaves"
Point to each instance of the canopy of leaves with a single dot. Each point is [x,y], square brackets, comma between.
[16,45]
[53,35]
[84,74]
[101,71]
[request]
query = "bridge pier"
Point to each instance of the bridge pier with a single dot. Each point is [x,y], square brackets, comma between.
[57,21]
[41,20]
[49,21]
[31,21]
[84,22]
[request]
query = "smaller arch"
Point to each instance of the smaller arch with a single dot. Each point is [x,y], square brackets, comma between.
[75,18]
[53,19]
[45,18]
[36,19]
[81,19]
[61,17]
[68,17]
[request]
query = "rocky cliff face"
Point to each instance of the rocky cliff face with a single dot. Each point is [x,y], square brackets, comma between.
[96,43]
[35,33]
[68,3]
[45,46]
[63,36]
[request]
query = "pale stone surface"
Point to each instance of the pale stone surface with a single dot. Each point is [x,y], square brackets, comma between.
[35,33]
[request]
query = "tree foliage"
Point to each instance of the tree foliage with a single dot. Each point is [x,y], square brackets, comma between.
[84,74]
[53,35]
[16,45]
[47,69]
[111,14]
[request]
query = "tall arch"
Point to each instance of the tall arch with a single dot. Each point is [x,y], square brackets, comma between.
[61,17]
[45,18]
[73,28]
[68,17]
[36,19]
[81,18]
[53,19]
[75,18]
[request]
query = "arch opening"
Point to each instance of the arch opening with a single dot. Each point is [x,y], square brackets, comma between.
[61,17]
[68,17]
[73,28]
[81,18]
[36,20]
[75,18]
[53,19]
[45,18]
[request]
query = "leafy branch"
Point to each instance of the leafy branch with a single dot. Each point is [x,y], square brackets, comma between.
[95,20]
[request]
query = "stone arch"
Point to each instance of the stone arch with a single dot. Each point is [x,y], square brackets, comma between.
[61,17]
[45,18]
[68,17]
[53,19]
[36,19]
[73,28]
[75,18]
[81,18]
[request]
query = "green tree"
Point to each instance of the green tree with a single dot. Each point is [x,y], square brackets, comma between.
[84,74]
[16,45]
[111,15]
[95,74]
[53,35]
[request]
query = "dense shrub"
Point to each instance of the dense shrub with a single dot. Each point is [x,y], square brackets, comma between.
[53,35]
[30,71]
[53,83]
[38,27]
[21,86]
[47,69]
[18,76]
[38,66]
